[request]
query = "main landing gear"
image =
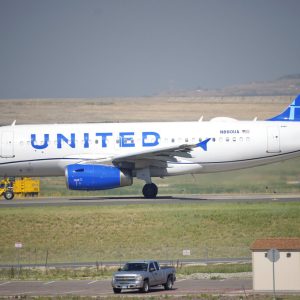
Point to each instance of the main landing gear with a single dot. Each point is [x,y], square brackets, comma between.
[150,190]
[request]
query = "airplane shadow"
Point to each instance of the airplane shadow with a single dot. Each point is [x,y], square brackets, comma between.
[138,198]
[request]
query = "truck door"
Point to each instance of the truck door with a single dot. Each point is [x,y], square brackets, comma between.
[7,144]
[154,280]
[273,139]
[161,273]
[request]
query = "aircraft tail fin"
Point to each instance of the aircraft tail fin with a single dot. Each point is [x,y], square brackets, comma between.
[292,113]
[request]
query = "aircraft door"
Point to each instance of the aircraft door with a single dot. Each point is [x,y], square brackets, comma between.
[7,144]
[273,139]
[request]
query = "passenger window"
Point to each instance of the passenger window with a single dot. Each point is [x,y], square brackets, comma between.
[186,140]
[234,139]
[156,265]
[173,140]
[227,139]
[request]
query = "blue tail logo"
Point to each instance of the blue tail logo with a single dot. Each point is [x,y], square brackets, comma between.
[292,113]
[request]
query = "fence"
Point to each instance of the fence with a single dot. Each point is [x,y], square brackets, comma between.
[45,256]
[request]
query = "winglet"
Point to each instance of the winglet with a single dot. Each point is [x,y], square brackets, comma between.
[203,144]
[292,113]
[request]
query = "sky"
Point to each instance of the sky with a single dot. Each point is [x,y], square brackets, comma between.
[127,48]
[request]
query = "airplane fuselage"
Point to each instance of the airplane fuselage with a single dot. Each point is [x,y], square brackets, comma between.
[46,150]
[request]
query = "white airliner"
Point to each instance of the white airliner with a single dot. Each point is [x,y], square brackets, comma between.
[106,156]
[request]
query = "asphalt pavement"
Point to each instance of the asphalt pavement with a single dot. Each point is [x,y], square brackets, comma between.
[125,200]
[103,287]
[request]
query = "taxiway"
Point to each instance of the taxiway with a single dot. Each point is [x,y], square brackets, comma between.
[125,200]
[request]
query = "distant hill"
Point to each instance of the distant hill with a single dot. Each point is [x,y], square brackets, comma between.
[286,85]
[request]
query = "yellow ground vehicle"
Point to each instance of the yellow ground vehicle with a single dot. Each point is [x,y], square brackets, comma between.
[6,189]
[24,187]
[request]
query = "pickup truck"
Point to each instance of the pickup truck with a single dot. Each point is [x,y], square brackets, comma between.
[142,275]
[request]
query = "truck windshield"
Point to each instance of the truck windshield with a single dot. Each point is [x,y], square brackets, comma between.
[135,267]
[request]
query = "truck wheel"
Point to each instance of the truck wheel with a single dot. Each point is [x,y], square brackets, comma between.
[145,288]
[169,283]
[117,291]
[9,195]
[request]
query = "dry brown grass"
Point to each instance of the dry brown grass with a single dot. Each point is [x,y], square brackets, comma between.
[30,111]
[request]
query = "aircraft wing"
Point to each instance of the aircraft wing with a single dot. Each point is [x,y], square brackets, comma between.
[156,153]
[157,156]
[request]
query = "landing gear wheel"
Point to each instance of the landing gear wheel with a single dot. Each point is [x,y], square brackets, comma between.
[9,195]
[150,190]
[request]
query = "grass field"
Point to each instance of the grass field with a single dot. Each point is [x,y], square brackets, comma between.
[32,111]
[215,296]
[275,178]
[120,233]
[74,234]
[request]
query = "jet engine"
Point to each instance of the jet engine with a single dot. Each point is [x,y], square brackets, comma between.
[95,177]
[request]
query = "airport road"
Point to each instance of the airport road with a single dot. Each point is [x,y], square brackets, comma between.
[124,200]
[103,287]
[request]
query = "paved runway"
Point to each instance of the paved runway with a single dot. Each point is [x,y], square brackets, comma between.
[103,287]
[124,200]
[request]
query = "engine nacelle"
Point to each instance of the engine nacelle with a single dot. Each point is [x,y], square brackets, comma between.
[95,177]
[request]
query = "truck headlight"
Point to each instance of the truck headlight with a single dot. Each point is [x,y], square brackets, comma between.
[139,278]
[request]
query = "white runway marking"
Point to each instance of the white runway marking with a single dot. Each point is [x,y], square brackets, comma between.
[4,283]
[72,292]
[93,282]
[49,282]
